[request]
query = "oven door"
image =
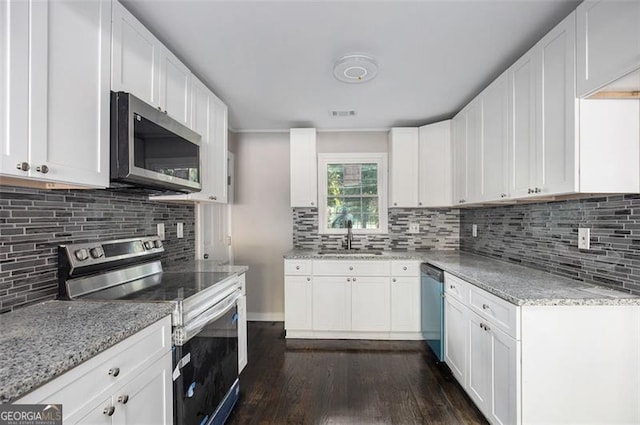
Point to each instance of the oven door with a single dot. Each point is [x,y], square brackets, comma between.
[206,365]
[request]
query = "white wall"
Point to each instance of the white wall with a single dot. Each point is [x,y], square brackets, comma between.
[354,141]
[262,219]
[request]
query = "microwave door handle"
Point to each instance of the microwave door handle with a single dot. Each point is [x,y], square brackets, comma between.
[187,332]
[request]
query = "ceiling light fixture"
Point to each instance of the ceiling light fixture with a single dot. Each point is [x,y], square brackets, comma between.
[355,68]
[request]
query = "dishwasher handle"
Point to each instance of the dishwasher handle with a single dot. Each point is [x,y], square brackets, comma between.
[433,272]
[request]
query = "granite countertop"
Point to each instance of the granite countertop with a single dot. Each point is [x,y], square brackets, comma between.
[42,341]
[514,283]
[207,266]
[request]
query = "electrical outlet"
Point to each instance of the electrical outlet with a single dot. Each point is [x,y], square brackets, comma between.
[414,228]
[474,230]
[160,230]
[180,230]
[584,238]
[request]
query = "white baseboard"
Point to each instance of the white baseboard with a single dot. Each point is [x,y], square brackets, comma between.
[265,317]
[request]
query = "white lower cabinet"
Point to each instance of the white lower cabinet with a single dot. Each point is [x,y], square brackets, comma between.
[357,299]
[243,355]
[543,364]
[119,385]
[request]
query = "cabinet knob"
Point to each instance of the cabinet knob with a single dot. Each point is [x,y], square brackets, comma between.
[393,280]
[297,267]
[42,169]
[23,166]
[114,371]
[503,195]
[485,306]
[213,198]
[404,268]
[487,328]
[537,190]
[461,201]
[109,411]
[354,279]
[159,109]
[395,203]
[419,203]
[312,204]
[123,399]
[529,191]
[452,286]
[308,279]
[350,267]
[348,279]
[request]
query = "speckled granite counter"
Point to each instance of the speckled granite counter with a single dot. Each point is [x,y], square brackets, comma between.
[42,341]
[207,266]
[517,284]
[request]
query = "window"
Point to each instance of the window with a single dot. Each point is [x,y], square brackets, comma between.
[352,187]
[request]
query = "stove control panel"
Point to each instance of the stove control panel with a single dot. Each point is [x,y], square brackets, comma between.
[103,253]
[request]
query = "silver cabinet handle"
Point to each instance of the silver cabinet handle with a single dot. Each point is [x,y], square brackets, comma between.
[42,169]
[213,198]
[114,371]
[123,399]
[109,411]
[23,166]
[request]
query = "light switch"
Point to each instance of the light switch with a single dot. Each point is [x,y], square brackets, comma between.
[160,230]
[474,230]
[414,227]
[584,238]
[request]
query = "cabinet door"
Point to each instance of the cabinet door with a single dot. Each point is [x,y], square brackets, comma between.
[331,304]
[459,128]
[403,167]
[455,325]
[608,42]
[473,151]
[505,378]
[71,143]
[151,387]
[479,370]
[522,121]
[242,333]
[303,165]
[14,86]
[217,160]
[100,413]
[136,57]
[298,293]
[494,139]
[556,145]
[405,304]
[370,304]
[175,87]
[434,165]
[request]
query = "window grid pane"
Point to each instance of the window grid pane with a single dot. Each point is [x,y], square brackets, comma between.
[352,194]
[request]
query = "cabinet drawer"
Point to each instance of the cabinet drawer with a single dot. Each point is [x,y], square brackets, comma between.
[297,267]
[405,268]
[456,288]
[350,268]
[90,379]
[499,312]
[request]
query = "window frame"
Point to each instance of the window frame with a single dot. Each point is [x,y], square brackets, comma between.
[379,158]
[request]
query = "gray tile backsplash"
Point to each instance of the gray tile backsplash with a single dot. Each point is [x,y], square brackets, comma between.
[34,222]
[439,229]
[545,236]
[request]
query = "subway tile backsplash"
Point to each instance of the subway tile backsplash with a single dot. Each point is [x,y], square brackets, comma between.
[439,229]
[545,236]
[34,222]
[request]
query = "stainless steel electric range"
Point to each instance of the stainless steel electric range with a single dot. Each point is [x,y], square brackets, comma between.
[205,317]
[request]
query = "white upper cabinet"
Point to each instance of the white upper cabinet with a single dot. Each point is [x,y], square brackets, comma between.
[209,120]
[144,67]
[608,40]
[403,167]
[58,130]
[420,170]
[494,152]
[474,151]
[303,164]
[459,162]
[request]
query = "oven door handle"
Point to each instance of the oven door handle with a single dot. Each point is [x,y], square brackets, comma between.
[185,333]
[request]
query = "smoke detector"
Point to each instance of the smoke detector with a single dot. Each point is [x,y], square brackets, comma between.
[355,68]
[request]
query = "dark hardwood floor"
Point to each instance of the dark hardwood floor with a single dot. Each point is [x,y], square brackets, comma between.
[346,382]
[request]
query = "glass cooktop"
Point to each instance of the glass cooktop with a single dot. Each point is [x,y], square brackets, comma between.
[165,286]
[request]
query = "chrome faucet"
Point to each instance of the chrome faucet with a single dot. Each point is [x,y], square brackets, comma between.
[349,234]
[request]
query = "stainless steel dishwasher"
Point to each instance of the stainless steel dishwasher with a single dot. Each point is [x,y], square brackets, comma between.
[432,290]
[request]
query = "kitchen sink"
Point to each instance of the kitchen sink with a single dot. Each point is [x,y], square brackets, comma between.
[353,252]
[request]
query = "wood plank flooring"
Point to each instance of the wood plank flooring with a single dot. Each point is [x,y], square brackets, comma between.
[346,382]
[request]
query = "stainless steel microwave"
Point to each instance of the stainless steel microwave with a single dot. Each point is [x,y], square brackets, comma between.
[150,149]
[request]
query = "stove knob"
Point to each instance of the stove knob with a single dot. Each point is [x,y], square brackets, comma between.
[81,254]
[96,252]
[148,244]
[157,244]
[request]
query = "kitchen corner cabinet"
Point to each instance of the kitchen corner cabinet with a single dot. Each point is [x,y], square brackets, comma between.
[539,364]
[55,128]
[118,385]
[608,44]
[467,133]
[352,299]
[424,152]
[303,164]
[209,120]
[144,67]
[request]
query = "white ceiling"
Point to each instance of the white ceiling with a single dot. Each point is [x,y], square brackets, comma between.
[271,61]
